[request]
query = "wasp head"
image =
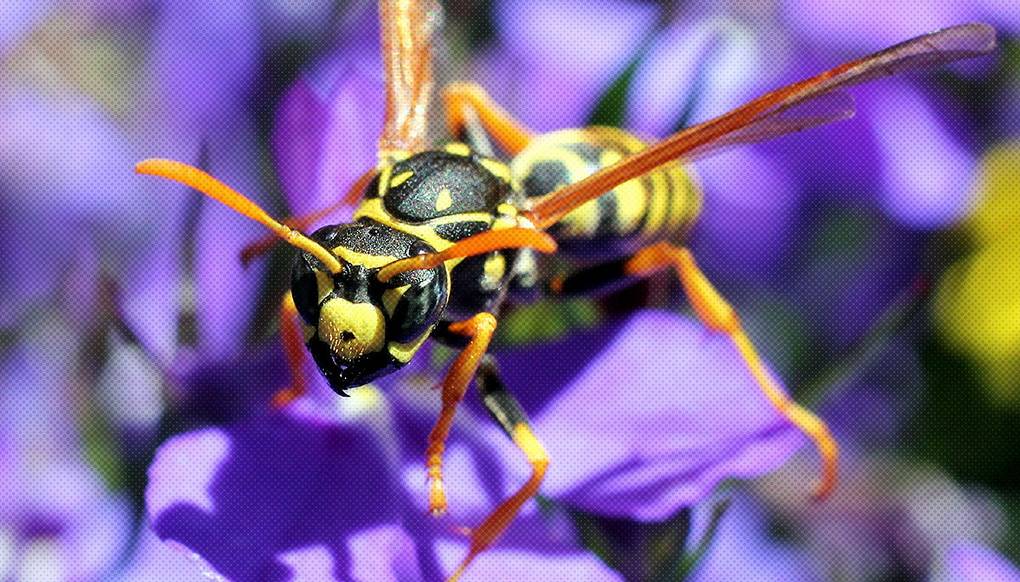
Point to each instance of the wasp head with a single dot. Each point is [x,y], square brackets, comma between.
[358,327]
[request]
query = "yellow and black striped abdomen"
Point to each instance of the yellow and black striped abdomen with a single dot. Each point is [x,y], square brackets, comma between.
[657,206]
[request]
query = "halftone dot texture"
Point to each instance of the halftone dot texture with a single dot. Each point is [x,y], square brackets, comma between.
[138,356]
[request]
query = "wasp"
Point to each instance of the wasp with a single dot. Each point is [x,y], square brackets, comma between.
[442,236]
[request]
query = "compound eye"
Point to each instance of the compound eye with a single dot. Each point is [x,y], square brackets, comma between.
[306,289]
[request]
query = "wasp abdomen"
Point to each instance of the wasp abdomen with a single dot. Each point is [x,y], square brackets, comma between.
[657,206]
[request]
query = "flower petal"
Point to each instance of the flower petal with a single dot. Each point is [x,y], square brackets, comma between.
[662,415]
[252,499]
[970,562]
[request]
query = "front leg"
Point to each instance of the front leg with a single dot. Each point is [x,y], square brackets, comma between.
[478,329]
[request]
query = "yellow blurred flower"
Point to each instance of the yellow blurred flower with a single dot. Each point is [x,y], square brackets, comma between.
[977,304]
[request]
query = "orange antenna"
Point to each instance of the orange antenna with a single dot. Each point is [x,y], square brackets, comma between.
[479,244]
[213,188]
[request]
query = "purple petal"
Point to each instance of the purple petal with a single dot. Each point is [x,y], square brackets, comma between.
[326,135]
[927,173]
[749,215]
[154,559]
[563,54]
[970,562]
[717,58]
[657,420]
[527,565]
[272,496]
[848,22]
[223,291]
[17,17]
[742,550]
[205,57]
[1002,13]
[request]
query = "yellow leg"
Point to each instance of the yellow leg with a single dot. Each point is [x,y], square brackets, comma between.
[713,310]
[508,132]
[496,523]
[479,329]
[294,349]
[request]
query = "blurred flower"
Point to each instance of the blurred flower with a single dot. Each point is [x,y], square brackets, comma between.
[328,124]
[887,516]
[742,549]
[978,300]
[58,521]
[970,562]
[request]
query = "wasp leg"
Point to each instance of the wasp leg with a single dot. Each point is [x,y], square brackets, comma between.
[462,98]
[294,349]
[478,329]
[301,222]
[716,314]
[505,409]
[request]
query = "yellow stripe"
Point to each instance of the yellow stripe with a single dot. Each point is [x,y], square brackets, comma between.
[364,259]
[500,170]
[400,178]
[458,149]
[658,207]
[403,352]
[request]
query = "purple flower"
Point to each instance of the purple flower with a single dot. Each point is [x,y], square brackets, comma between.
[970,562]
[657,418]
[328,124]
[743,550]
[555,58]
[17,18]
[303,495]
[57,519]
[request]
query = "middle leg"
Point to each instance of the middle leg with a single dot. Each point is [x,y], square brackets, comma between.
[716,314]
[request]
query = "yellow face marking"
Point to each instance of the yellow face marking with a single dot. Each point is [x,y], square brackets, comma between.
[351,329]
[497,169]
[507,209]
[444,200]
[400,178]
[391,297]
[458,149]
[403,352]
[324,283]
[363,259]
[494,270]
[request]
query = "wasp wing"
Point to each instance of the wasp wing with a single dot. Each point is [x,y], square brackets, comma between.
[406,27]
[808,103]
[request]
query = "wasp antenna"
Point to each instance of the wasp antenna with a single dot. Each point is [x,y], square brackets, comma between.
[195,178]
[479,244]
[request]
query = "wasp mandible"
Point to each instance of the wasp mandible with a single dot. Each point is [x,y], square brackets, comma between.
[442,237]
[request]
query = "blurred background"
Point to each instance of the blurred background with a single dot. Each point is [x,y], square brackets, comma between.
[874,261]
